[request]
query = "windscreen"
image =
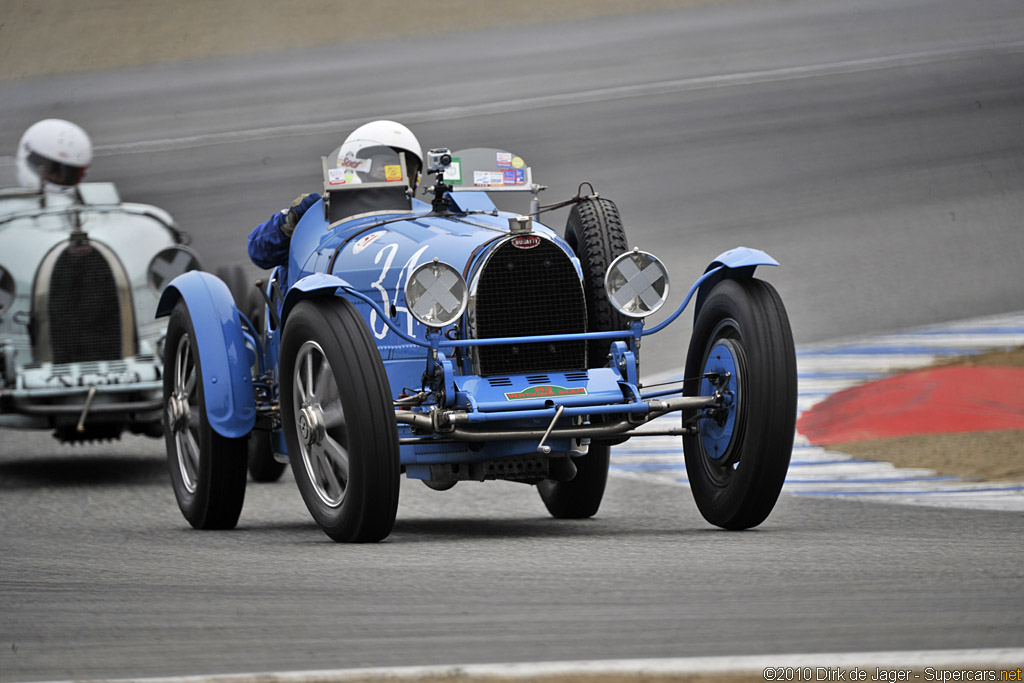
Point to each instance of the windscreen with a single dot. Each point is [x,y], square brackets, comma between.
[368,165]
[489,170]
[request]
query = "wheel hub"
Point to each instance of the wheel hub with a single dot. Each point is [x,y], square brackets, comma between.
[311,425]
[178,411]
[717,430]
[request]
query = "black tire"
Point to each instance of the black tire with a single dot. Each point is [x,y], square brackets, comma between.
[332,377]
[207,469]
[595,233]
[581,496]
[263,466]
[738,462]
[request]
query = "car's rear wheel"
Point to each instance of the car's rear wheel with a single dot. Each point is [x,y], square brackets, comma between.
[339,421]
[207,469]
[737,460]
[263,466]
[581,496]
[595,233]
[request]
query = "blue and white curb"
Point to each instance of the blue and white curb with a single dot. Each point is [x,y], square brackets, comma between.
[824,369]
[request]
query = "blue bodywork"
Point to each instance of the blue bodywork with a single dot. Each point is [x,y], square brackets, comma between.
[227,385]
[368,259]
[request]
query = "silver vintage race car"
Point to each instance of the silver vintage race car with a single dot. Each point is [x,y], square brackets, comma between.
[80,274]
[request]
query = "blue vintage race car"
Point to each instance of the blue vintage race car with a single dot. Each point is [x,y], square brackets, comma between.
[450,341]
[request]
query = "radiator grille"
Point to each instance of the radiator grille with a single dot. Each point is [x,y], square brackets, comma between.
[529,292]
[83,308]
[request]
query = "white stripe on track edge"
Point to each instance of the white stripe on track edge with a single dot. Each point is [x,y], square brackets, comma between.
[824,369]
[989,660]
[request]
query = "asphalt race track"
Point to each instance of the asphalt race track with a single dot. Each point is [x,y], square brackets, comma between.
[875,148]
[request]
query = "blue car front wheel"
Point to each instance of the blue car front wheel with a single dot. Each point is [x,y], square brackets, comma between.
[339,421]
[742,348]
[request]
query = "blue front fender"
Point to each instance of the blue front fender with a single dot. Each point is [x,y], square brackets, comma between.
[310,286]
[227,384]
[738,263]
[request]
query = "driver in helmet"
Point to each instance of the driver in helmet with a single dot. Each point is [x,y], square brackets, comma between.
[53,156]
[369,154]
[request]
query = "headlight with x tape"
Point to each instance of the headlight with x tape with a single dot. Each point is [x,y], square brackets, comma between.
[636,284]
[436,294]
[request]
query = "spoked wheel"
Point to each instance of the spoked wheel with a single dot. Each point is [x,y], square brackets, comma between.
[207,469]
[263,466]
[741,345]
[594,231]
[339,421]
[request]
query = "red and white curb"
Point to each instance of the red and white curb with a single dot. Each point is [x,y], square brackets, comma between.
[824,369]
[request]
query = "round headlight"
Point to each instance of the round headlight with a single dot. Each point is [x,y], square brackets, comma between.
[168,264]
[6,289]
[636,284]
[436,294]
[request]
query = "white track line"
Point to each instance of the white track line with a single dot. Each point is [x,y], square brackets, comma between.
[938,665]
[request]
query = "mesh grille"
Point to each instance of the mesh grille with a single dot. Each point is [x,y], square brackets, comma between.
[83,308]
[528,292]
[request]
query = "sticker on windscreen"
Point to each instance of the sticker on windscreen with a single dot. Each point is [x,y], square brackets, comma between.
[488,178]
[513,177]
[453,174]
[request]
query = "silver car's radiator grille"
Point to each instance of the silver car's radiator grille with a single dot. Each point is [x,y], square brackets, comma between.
[83,307]
[529,291]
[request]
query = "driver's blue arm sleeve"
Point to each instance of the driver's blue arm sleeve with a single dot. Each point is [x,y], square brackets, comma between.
[268,245]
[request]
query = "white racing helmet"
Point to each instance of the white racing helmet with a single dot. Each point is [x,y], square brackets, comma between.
[372,149]
[53,155]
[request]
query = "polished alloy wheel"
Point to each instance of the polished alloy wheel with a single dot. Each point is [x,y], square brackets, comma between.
[321,425]
[181,407]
